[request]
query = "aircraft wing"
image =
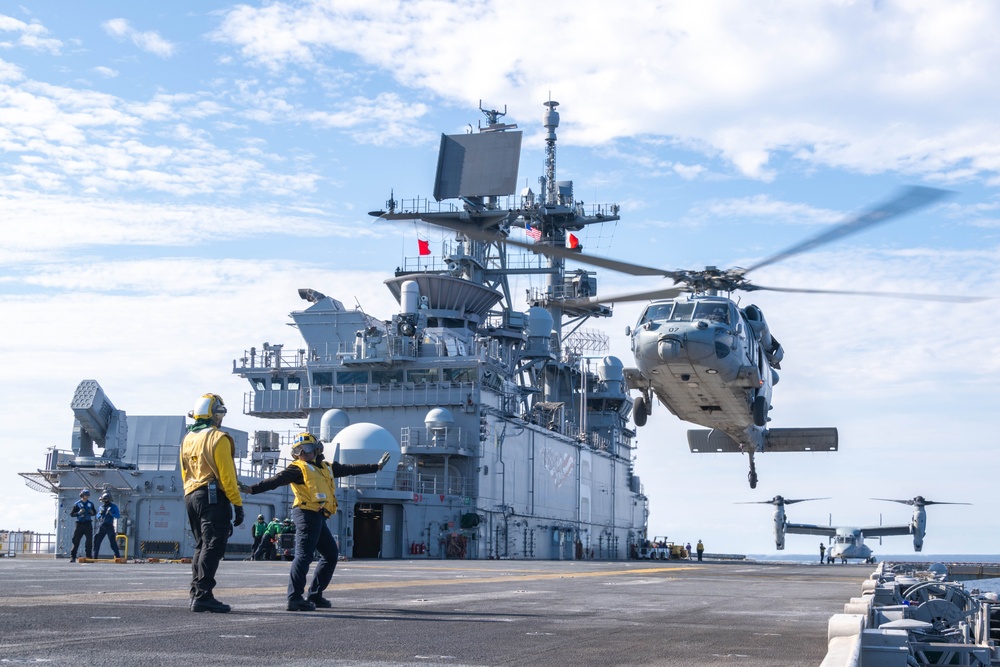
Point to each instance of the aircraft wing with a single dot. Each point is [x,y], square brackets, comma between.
[810,529]
[881,531]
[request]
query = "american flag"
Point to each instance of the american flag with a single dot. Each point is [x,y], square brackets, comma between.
[534,233]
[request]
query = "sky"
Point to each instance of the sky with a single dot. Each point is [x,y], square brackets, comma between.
[170,176]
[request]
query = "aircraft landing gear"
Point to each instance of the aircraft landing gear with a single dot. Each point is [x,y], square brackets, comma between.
[753,474]
[640,410]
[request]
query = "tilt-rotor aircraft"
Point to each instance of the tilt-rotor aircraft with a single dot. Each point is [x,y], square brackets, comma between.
[708,360]
[849,541]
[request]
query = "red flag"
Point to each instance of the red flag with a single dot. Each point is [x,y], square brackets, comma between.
[573,241]
[425,246]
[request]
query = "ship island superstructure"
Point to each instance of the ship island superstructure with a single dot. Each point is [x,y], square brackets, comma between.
[507,422]
[512,429]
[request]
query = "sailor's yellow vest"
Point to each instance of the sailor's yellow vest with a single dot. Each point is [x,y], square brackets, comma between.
[317,492]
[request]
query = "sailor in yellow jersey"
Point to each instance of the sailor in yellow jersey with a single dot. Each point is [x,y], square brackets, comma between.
[211,495]
[312,484]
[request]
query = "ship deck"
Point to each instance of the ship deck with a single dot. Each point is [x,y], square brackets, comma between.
[419,612]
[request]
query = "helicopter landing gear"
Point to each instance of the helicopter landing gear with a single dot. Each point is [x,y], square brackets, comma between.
[760,408]
[640,410]
[753,474]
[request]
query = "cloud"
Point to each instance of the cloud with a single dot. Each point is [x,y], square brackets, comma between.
[32,36]
[148,41]
[106,72]
[826,83]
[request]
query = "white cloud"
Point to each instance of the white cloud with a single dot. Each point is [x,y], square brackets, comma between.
[31,36]
[148,41]
[824,81]
[106,72]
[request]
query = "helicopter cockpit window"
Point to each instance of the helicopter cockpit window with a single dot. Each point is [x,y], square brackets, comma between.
[658,311]
[712,311]
[682,311]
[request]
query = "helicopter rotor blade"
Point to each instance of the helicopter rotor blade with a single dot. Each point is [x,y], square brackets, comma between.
[652,295]
[909,199]
[492,236]
[947,298]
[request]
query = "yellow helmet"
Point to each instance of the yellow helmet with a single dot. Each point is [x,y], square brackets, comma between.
[208,406]
[306,442]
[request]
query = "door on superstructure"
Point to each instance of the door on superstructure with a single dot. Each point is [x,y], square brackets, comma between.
[367,530]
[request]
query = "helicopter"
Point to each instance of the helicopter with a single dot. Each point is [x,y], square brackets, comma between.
[708,360]
[849,541]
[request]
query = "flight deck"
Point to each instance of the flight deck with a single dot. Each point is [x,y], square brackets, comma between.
[427,612]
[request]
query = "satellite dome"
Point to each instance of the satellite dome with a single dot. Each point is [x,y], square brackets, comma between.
[439,418]
[539,322]
[364,443]
[610,368]
[333,422]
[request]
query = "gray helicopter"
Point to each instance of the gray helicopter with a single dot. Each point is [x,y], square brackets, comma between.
[712,362]
[847,542]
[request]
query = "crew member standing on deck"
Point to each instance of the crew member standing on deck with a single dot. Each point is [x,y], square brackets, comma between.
[84,511]
[822,552]
[106,521]
[211,495]
[258,529]
[701,550]
[312,484]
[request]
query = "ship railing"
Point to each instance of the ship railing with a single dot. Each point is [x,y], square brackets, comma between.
[454,439]
[270,358]
[283,403]
[395,394]
[418,483]
[15,543]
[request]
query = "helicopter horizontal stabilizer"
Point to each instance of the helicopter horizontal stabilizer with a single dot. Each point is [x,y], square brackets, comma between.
[818,439]
[776,440]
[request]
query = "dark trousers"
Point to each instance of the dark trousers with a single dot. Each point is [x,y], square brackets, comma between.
[211,525]
[311,535]
[108,530]
[253,549]
[84,529]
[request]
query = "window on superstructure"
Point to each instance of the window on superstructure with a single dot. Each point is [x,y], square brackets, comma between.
[277,384]
[421,375]
[387,377]
[322,377]
[459,374]
[352,377]
[259,384]
[294,384]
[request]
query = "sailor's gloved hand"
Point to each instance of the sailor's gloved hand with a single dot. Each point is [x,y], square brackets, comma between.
[382,461]
[244,488]
[239,516]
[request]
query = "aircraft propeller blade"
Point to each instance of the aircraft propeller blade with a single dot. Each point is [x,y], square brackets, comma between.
[919,501]
[778,501]
[909,199]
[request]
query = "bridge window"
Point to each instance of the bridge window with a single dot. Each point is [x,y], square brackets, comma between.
[459,374]
[352,377]
[258,384]
[321,378]
[419,375]
[294,384]
[387,377]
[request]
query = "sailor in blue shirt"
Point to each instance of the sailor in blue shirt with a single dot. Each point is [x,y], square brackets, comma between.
[84,511]
[106,524]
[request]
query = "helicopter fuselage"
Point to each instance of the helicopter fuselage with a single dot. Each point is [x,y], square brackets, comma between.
[709,364]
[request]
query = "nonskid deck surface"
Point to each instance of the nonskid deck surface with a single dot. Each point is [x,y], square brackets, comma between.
[427,613]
